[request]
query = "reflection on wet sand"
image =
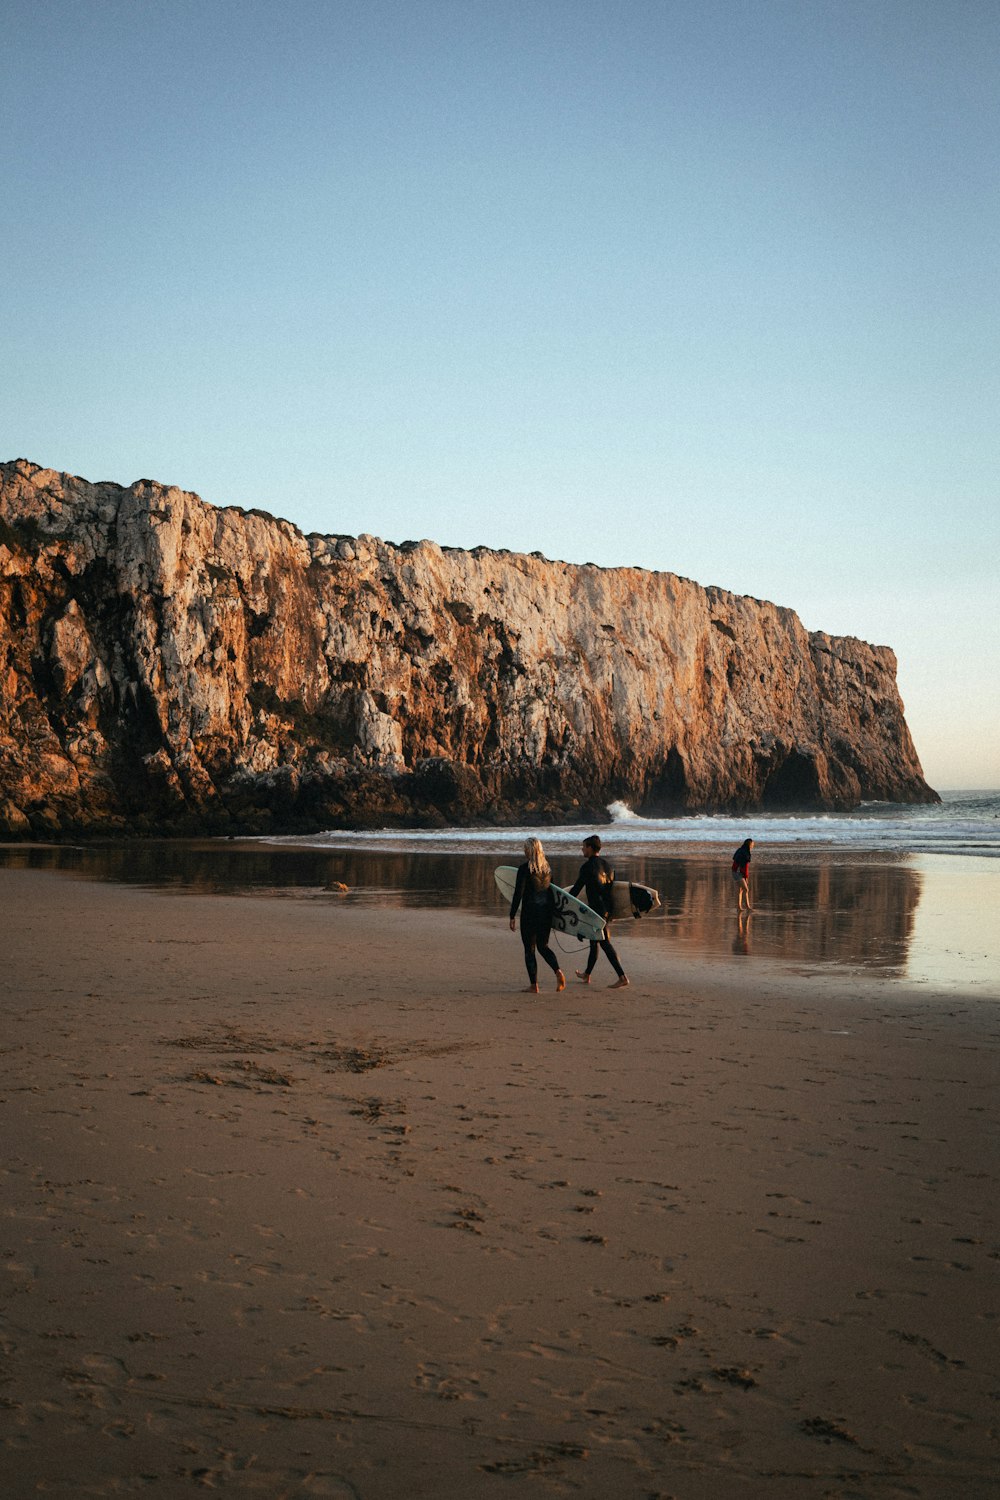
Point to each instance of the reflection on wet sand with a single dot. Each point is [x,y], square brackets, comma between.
[823,912]
[816,910]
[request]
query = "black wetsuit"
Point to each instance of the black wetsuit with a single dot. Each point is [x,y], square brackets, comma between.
[598,876]
[536,920]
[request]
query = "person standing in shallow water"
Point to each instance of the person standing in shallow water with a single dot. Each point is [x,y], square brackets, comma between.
[741,874]
[598,877]
[533,894]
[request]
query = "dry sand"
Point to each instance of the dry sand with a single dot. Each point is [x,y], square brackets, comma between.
[305,1199]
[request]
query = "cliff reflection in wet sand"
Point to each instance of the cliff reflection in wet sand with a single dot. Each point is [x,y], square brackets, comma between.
[809,909]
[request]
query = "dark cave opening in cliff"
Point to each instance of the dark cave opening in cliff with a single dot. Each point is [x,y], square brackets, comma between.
[795,783]
[668,793]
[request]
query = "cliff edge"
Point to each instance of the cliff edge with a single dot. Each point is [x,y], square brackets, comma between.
[168,666]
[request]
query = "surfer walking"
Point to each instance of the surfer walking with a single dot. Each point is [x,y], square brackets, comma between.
[598,877]
[741,874]
[533,894]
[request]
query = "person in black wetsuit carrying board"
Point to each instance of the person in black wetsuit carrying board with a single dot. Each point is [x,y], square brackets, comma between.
[533,894]
[598,877]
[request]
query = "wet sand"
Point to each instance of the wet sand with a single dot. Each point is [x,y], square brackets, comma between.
[304,1198]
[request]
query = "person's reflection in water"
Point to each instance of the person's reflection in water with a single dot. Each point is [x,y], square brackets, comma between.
[741,940]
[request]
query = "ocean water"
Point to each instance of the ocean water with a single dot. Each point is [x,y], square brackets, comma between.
[909,896]
[903,894]
[962,823]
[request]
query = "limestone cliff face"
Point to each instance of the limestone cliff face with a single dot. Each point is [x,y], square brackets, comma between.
[171,666]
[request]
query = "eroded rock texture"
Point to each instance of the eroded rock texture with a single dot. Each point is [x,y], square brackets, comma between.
[170,666]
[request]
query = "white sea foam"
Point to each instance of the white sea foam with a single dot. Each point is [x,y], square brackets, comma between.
[620,812]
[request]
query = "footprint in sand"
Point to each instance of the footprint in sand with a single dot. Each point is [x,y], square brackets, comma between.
[829,1432]
[436,1382]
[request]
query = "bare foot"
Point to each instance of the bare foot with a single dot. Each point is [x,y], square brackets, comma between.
[619,984]
[583,976]
[560,980]
[530,989]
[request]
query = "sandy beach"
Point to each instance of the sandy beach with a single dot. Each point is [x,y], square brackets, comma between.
[304,1199]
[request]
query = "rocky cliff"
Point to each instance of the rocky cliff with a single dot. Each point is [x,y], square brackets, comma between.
[170,666]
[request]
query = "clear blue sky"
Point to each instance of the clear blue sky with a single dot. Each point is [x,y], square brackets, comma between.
[708,286]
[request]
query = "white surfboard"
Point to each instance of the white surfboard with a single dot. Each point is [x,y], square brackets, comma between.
[629,899]
[570,914]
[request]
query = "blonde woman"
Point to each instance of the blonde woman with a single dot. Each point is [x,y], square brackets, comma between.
[533,894]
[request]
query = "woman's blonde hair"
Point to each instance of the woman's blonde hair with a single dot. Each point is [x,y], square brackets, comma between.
[538,865]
